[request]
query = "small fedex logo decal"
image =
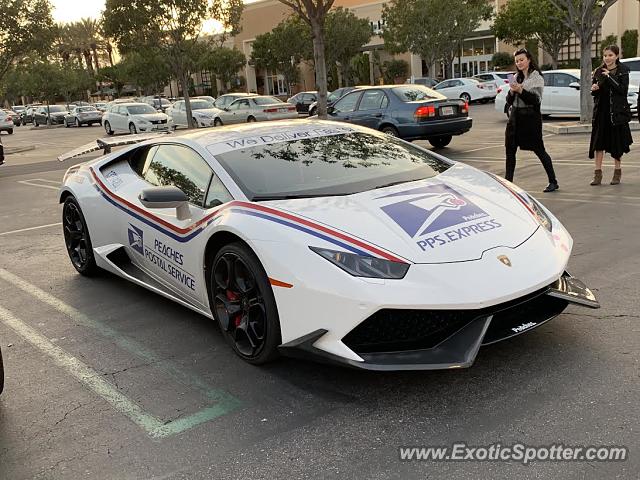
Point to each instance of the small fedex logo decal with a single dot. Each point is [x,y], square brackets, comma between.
[423,211]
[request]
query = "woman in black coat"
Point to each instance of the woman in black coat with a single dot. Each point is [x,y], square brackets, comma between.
[524,128]
[611,114]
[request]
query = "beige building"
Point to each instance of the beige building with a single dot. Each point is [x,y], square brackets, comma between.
[261,16]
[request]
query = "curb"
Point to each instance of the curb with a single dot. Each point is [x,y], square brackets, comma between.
[575,127]
[10,150]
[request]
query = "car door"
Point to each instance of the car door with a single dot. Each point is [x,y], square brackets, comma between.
[172,256]
[230,114]
[180,115]
[343,109]
[371,109]
[568,98]
[446,88]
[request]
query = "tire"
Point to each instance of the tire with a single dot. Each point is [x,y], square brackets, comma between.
[390,130]
[10,131]
[132,129]
[66,124]
[77,239]
[217,122]
[35,123]
[49,121]
[195,123]
[107,128]
[440,142]
[243,304]
[312,112]
[466,97]
[251,119]
[78,124]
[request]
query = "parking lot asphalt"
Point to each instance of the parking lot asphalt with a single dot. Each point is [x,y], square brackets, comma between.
[106,380]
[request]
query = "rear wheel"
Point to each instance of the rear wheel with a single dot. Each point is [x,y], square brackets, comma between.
[217,122]
[107,128]
[195,123]
[251,119]
[466,97]
[440,142]
[77,239]
[132,129]
[10,131]
[390,130]
[77,123]
[244,305]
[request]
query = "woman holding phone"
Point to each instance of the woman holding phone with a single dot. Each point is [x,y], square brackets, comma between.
[611,114]
[524,128]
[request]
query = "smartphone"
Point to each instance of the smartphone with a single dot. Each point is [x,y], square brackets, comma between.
[512,79]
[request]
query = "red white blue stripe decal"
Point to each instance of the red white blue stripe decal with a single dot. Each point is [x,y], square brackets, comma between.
[182,235]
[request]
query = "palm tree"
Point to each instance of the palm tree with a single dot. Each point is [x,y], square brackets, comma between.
[91,33]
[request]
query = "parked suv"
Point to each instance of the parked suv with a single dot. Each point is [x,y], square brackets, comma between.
[133,118]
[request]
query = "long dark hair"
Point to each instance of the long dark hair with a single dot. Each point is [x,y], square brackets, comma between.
[533,65]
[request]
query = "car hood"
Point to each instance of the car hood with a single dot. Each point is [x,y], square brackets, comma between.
[208,112]
[150,116]
[453,217]
[58,114]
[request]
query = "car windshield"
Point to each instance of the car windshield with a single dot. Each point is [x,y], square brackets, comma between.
[266,100]
[200,104]
[57,108]
[330,165]
[413,93]
[140,109]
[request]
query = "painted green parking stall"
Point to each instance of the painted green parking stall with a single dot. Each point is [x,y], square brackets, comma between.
[221,401]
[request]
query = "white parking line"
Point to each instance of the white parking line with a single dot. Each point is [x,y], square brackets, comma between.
[32,184]
[30,228]
[83,373]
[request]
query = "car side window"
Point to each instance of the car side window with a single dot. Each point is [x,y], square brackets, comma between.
[562,79]
[243,104]
[181,167]
[371,100]
[141,158]
[446,84]
[234,106]
[347,103]
[633,65]
[217,193]
[457,83]
[548,79]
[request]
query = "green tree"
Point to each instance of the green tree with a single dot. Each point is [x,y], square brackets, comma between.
[314,14]
[224,63]
[392,69]
[26,26]
[502,60]
[584,17]
[608,40]
[345,34]
[283,48]
[424,28]
[629,43]
[521,20]
[146,69]
[172,26]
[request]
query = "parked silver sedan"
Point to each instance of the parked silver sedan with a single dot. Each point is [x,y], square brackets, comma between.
[255,109]
[202,111]
[82,115]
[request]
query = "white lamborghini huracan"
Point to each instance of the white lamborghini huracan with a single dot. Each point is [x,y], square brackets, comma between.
[322,240]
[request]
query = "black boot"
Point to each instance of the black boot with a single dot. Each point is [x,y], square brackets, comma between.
[551,187]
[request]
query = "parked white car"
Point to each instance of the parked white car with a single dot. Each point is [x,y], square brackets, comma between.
[634,65]
[255,109]
[468,89]
[6,121]
[134,118]
[562,94]
[497,78]
[202,112]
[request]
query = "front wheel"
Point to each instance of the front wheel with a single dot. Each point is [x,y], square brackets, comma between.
[440,142]
[312,112]
[77,123]
[132,129]
[107,128]
[77,239]
[217,122]
[466,97]
[251,119]
[244,305]
[10,131]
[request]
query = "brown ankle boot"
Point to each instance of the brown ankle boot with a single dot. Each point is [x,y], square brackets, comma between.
[597,177]
[617,176]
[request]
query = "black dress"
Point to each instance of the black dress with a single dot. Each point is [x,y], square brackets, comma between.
[613,139]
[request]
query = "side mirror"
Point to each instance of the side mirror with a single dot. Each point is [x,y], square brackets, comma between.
[575,85]
[331,110]
[226,109]
[166,197]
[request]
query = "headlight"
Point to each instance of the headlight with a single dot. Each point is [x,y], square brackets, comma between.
[360,266]
[530,203]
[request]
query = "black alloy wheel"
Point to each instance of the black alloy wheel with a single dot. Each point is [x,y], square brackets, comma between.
[244,305]
[76,238]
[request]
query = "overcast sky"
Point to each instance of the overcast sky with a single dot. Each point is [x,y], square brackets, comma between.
[72,10]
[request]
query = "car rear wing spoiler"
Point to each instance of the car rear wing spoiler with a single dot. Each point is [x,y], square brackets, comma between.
[106,144]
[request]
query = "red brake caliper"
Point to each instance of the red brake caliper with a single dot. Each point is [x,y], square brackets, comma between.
[234,297]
